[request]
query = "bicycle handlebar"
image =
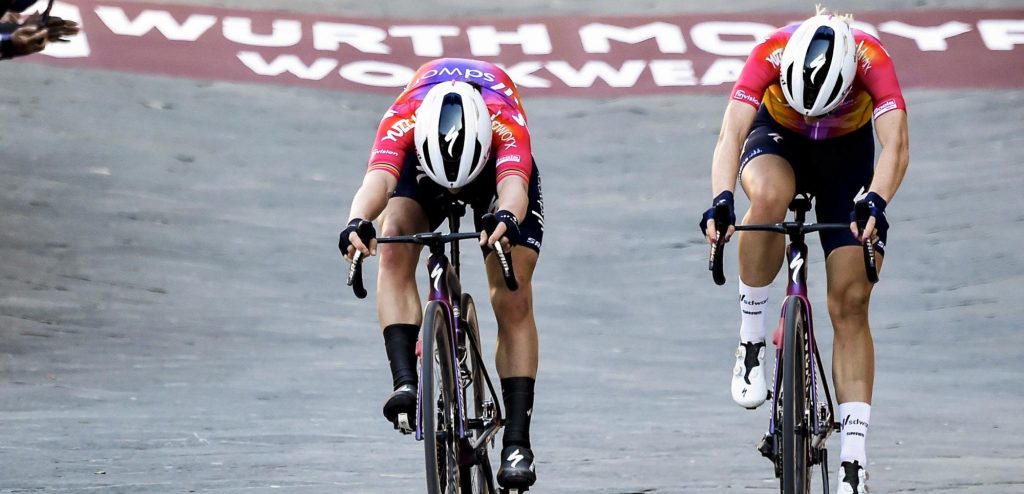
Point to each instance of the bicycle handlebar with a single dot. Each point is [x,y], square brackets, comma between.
[786,228]
[504,258]
[431,239]
[721,227]
[863,212]
[355,270]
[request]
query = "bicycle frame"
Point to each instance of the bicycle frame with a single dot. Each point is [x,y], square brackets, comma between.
[446,288]
[796,256]
[819,420]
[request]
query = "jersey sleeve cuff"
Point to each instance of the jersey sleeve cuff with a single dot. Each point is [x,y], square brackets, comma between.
[387,167]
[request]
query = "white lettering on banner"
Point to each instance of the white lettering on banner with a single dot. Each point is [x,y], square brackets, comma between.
[379,74]
[865,27]
[708,37]
[78,45]
[118,22]
[522,74]
[626,76]
[722,71]
[671,73]
[284,32]
[486,41]
[931,38]
[426,40]
[1001,34]
[596,36]
[329,36]
[288,63]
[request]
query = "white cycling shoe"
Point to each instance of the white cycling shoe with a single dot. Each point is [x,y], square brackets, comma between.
[749,385]
[853,479]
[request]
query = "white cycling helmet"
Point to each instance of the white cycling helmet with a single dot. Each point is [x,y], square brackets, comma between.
[819,64]
[453,134]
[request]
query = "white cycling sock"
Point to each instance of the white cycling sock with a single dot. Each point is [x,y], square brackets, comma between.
[753,302]
[854,416]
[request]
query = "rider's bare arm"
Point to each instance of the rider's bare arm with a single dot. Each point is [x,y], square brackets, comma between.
[370,200]
[891,128]
[725,164]
[513,196]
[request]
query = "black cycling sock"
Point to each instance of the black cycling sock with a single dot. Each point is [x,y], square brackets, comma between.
[517,393]
[400,345]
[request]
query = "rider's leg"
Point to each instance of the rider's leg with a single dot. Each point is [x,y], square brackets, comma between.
[769,182]
[853,352]
[398,303]
[516,362]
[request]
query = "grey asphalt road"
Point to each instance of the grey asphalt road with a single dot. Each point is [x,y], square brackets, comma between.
[173,315]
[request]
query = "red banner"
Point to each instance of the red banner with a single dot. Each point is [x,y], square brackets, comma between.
[573,56]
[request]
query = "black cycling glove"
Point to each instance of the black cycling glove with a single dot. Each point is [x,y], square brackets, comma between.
[876,207]
[511,225]
[343,241]
[726,198]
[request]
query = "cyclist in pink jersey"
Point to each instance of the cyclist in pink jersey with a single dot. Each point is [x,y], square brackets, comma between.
[800,119]
[457,130]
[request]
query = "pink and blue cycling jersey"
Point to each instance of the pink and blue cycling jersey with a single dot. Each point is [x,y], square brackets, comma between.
[510,147]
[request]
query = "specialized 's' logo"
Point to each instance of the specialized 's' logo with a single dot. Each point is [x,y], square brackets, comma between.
[817,64]
[796,265]
[450,139]
[516,457]
[436,276]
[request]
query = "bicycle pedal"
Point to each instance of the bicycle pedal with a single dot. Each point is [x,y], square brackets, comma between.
[402,424]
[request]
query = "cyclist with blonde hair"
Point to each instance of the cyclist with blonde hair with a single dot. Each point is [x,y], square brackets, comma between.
[800,119]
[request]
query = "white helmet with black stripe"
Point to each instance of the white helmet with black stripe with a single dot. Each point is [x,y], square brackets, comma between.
[819,64]
[453,134]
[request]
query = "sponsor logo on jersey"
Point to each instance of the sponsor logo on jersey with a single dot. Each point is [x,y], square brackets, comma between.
[886,105]
[452,73]
[514,158]
[388,152]
[399,129]
[775,58]
[863,58]
[504,134]
[744,96]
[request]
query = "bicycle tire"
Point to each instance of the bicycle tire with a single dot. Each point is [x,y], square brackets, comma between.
[796,463]
[478,477]
[438,403]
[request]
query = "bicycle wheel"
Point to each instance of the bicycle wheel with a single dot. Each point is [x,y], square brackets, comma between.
[477,478]
[796,453]
[440,437]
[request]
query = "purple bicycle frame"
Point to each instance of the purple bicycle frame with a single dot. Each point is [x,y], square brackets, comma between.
[796,257]
[445,288]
